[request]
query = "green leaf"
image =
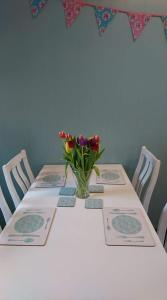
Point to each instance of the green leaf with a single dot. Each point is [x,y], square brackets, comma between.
[96,170]
[99,154]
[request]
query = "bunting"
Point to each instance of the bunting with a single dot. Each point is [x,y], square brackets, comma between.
[37,6]
[71,11]
[104,17]
[137,23]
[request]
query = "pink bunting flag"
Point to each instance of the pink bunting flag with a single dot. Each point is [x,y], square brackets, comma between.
[138,22]
[71,10]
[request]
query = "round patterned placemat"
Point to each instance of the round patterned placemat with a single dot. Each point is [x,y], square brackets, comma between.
[108,175]
[51,178]
[126,224]
[29,223]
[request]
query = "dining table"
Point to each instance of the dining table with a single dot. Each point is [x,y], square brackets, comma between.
[75,263]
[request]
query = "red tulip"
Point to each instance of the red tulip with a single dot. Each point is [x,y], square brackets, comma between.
[68,136]
[62,134]
[95,147]
[97,138]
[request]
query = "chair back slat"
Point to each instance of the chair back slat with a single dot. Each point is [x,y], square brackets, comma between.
[4,208]
[23,178]
[27,167]
[136,175]
[146,173]
[14,168]
[10,185]
[151,185]
[141,176]
[19,180]
[145,177]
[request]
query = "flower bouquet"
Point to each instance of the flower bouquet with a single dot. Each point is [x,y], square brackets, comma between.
[81,153]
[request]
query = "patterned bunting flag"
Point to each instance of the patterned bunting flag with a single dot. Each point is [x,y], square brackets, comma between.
[104,17]
[71,10]
[137,23]
[36,6]
[164,20]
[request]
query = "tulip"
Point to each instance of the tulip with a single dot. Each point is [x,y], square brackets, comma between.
[62,134]
[94,145]
[68,136]
[82,141]
[69,146]
[97,138]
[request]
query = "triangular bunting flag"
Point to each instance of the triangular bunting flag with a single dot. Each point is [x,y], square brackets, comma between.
[137,23]
[37,6]
[164,20]
[71,10]
[104,17]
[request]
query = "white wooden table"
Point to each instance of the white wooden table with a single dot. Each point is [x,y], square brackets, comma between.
[75,264]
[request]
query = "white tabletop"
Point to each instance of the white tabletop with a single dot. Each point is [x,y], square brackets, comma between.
[75,263]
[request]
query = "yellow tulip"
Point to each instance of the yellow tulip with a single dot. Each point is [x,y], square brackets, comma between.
[68,149]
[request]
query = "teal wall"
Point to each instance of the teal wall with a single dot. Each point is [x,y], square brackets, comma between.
[53,79]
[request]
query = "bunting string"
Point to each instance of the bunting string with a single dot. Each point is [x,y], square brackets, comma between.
[122,10]
[104,15]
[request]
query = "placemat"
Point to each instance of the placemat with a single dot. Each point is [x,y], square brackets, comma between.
[50,180]
[112,176]
[126,227]
[28,227]
[66,202]
[96,189]
[93,203]
[67,191]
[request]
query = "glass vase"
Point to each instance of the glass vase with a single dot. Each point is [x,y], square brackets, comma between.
[82,183]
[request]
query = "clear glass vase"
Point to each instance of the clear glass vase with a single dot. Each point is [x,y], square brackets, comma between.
[82,183]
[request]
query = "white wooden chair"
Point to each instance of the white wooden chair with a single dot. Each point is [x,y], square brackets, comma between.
[145,176]
[162,227]
[14,172]
[4,208]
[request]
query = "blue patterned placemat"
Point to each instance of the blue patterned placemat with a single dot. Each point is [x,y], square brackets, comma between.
[51,178]
[96,189]
[29,223]
[110,175]
[67,191]
[93,203]
[126,224]
[66,202]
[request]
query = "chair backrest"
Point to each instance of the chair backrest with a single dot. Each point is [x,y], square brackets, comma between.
[162,227]
[146,174]
[4,208]
[23,177]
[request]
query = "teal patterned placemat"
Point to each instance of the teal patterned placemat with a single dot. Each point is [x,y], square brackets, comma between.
[126,224]
[66,202]
[51,178]
[93,203]
[110,175]
[29,223]
[96,189]
[67,191]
